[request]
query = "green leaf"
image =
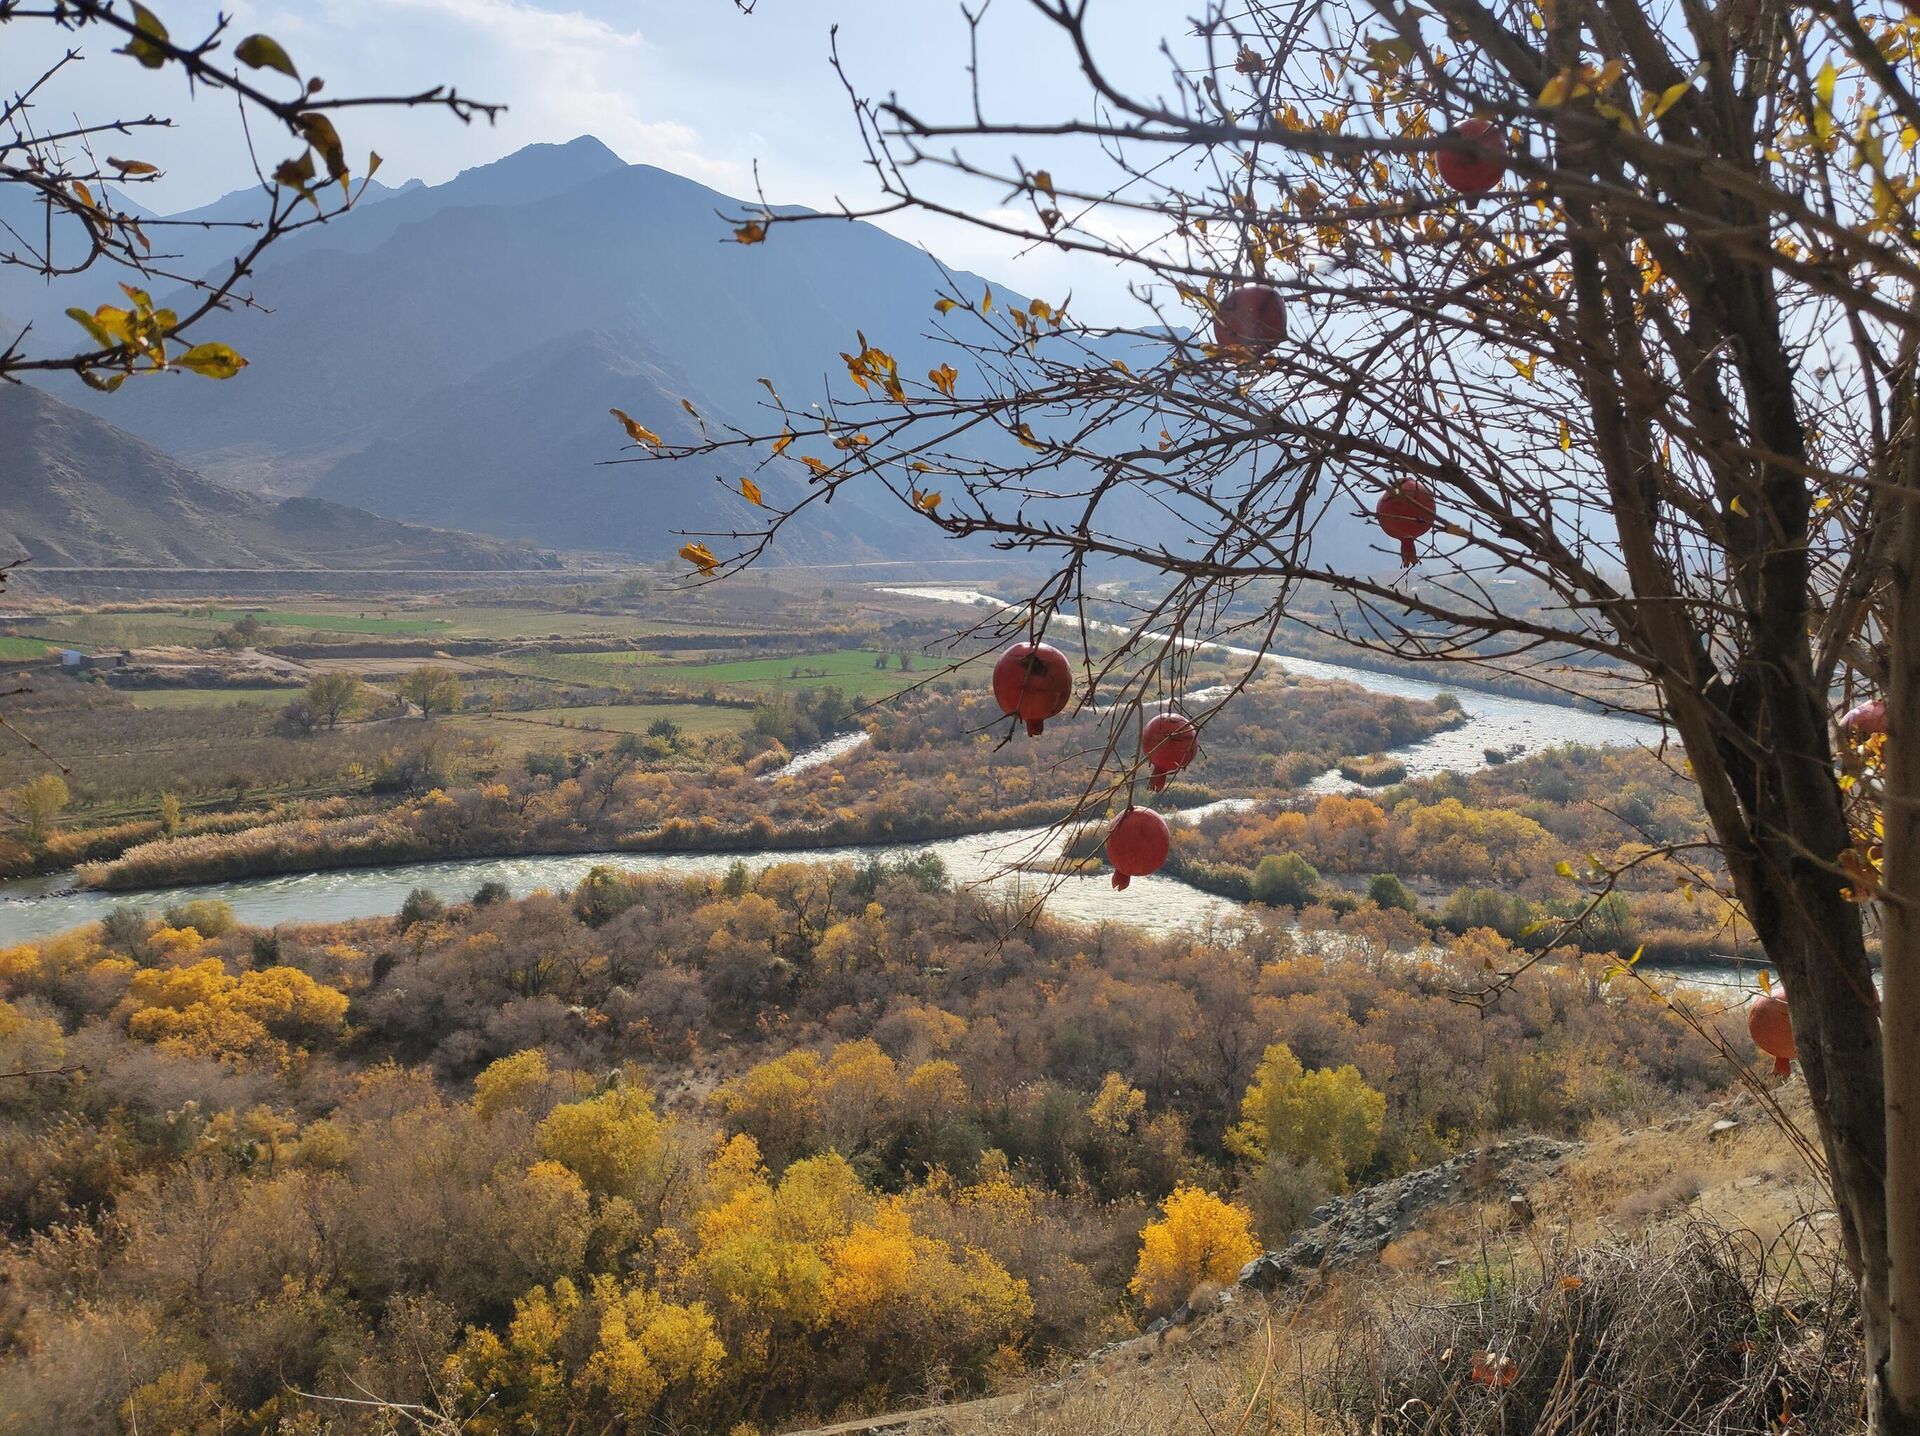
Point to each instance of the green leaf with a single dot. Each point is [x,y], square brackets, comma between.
[263,52]
[149,36]
[213,361]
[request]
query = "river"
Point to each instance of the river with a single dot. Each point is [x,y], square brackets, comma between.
[33,908]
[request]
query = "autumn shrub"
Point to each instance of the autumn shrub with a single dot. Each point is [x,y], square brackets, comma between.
[1198,1238]
[1329,1117]
[1284,880]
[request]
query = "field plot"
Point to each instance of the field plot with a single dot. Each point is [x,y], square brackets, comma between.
[696,720]
[609,670]
[340,621]
[852,670]
[127,630]
[205,697]
[24,647]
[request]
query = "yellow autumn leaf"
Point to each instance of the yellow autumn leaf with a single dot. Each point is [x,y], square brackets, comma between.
[929,501]
[1563,868]
[1566,436]
[945,306]
[1738,507]
[986,304]
[1670,97]
[750,491]
[1823,84]
[700,556]
[637,431]
[780,444]
[212,361]
[753,232]
[944,378]
[1525,367]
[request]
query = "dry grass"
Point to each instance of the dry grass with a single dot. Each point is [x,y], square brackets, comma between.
[1690,1328]
[1670,1281]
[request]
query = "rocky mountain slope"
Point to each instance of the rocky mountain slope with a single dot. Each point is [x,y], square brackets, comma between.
[77,492]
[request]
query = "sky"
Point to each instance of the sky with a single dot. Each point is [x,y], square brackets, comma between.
[692,86]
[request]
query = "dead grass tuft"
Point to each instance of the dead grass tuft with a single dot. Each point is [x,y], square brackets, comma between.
[1698,1329]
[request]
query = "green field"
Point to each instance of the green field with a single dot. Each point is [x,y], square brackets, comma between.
[849,669]
[206,697]
[23,647]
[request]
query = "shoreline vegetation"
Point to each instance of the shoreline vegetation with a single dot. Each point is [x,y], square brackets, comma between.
[1452,854]
[935,768]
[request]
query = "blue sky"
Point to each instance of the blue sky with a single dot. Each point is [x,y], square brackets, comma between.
[690,85]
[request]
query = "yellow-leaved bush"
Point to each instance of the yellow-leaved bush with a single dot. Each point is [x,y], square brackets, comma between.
[1199,1238]
[204,1010]
[615,1354]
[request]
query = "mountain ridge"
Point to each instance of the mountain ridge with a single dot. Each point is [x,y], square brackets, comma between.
[83,494]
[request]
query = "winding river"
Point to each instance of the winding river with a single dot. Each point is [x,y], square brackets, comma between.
[32,908]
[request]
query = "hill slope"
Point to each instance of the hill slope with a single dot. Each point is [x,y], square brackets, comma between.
[80,493]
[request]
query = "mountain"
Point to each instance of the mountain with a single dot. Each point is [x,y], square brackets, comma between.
[448,356]
[511,444]
[79,493]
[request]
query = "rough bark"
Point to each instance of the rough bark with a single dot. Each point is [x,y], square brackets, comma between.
[1898,1384]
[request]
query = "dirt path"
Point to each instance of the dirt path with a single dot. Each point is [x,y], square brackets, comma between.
[900,1420]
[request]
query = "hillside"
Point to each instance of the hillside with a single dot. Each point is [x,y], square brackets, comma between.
[81,493]
[1525,1280]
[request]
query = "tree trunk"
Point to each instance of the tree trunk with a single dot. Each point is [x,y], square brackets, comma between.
[1897,1392]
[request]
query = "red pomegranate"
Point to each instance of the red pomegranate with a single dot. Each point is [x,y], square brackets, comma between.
[1864,719]
[1033,681]
[1169,742]
[1771,1027]
[1481,163]
[1137,845]
[1406,512]
[1253,318]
